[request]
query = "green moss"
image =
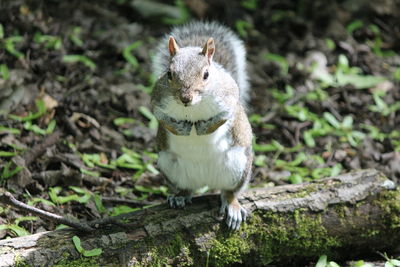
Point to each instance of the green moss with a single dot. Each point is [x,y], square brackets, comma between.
[229,248]
[20,262]
[82,262]
[389,201]
[174,252]
[269,236]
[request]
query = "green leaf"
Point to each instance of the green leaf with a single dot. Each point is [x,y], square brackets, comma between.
[249,4]
[273,146]
[1,31]
[333,264]
[120,209]
[7,172]
[19,231]
[122,121]
[330,44]
[75,36]
[5,74]
[336,169]
[7,153]
[90,173]
[51,127]
[80,58]
[183,16]
[9,45]
[99,204]
[354,25]
[309,139]
[49,41]
[128,55]
[153,124]
[361,81]
[332,120]
[242,27]
[280,60]
[41,107]
[93,252]
[395,262]
[77,243]
[4,129]
[322,261]
[260,160]
[25,218]
[35,200]
[295,179]
[53,193]
[347,122]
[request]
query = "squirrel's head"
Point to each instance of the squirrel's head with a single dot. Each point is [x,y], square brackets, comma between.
[189,71]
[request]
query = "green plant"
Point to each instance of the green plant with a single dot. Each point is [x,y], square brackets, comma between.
[49,41]
[153,123]
[82,195]
[345,75]
[390,262]
[280,60]
[381,106]
[86,253]
[8,172]
[249,4]
[9,45]
[184,14]
[127,53]
[37,130]
[32,116]
[344,129]
[242,27]
[15,228]
[80,58]
[5,74]
[74,36]
[323,262]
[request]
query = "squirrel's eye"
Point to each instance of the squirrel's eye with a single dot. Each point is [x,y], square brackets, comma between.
[205,76]
[169,75]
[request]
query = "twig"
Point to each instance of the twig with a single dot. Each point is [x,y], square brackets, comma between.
[8,198]
[40,149]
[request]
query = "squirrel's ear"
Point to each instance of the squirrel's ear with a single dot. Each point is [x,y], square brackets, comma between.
[172,46]
[209,49]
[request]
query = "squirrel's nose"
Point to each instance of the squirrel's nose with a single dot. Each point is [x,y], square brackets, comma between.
[185,99]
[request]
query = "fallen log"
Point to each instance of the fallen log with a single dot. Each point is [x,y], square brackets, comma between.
[345,217]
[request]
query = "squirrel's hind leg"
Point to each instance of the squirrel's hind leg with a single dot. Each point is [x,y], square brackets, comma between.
[180,199]
[235,213]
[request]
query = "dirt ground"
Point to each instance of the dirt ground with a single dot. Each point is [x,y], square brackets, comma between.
[77,133]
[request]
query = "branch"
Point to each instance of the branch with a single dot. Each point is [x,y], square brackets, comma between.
[8,198]
[348,216]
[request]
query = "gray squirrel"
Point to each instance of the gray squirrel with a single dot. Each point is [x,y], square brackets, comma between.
[204,136]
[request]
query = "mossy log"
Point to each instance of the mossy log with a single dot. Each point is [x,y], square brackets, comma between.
[347,216]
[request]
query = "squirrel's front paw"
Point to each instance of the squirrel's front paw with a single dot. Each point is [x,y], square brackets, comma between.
[179,201]
[235,214]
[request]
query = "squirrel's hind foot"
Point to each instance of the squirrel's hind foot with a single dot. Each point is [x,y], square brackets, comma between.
[179,201]
[235,213]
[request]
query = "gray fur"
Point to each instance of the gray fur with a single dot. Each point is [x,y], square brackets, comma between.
[229,50]
[203,125]
[181,127]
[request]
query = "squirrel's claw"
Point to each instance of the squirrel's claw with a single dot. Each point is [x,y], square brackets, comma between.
[179,201]
[235,215]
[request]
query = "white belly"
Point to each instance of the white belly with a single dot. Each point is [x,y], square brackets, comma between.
[193,161]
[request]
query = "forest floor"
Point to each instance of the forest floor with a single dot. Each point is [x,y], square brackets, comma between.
[325,97]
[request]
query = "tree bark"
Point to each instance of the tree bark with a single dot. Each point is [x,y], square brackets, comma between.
[345,217]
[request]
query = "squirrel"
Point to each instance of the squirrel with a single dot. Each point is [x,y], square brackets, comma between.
[204,136]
